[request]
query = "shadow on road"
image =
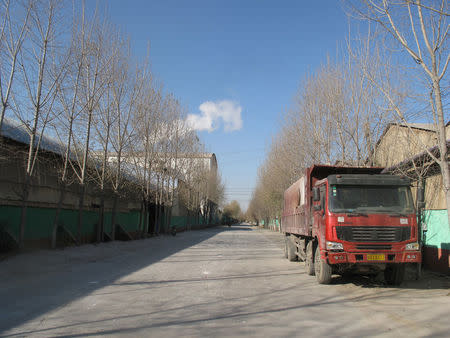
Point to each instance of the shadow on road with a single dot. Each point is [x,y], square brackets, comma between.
[194,315]
[192,308]
[35,283]
[427,281]
[34,290]
[240,227]
[197,312]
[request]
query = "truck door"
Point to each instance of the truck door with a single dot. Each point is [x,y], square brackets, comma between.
[319,213]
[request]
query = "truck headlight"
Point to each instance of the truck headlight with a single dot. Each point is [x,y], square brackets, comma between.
[412,246]
[334,246]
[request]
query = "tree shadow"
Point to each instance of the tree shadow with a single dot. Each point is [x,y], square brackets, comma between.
[194,317]
[427,281]
[437,259]
[239,227]
[80,273]
[59,277]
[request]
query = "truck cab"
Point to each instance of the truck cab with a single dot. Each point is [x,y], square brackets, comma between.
[364,223]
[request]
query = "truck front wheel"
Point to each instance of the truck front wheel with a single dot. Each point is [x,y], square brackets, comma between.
[309,261]
[322,268]
[394,274]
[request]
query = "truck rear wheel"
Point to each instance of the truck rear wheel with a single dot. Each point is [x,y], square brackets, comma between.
[309,261]
[322,269]
[291,249]
[394,274]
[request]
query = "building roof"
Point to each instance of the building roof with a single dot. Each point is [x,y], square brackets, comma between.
[419,160]
[193,155]
[17,131]
[421,126]
[430,127]
[424,126]
[178,155]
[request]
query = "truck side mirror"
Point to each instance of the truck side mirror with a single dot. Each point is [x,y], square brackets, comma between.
[420,197]
[316,194]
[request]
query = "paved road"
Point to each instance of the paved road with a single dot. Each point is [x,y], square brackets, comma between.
[215,282]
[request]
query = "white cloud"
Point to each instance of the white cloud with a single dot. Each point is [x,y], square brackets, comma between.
[213,113]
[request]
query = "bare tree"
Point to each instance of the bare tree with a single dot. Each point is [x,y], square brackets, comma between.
[421,30]
[102,106]
[335,117]
[126,89]
[12,34]
[41,72]
[96,58]
[68,92]
[142,155]
[233,210]
[103,124]
[176,141]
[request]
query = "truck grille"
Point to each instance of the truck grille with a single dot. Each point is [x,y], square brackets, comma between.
[370,234]
[374,247]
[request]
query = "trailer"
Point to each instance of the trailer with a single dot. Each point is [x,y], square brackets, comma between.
[351,220]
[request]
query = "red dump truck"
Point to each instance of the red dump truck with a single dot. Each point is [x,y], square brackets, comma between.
[351,219]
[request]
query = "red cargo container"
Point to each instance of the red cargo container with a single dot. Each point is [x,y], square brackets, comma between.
[341,219]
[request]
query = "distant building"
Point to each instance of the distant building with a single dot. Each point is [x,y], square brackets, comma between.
[191,174]
[175,165]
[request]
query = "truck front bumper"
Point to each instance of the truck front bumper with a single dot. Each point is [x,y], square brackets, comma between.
[374,257]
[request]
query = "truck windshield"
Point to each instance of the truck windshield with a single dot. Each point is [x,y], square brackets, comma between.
[368,198]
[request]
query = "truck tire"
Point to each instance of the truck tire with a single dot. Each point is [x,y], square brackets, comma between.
[291,250]
[322,268]
[309,261]
[394,274]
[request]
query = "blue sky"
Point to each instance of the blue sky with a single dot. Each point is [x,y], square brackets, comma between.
[251,52]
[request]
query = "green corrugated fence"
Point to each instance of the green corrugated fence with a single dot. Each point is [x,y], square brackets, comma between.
[438,231]
[39,221]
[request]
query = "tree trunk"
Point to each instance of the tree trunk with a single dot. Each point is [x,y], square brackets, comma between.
[155,219]
[62,194]
[113,217]
[447,197]
[209,212]
[442,144]
[160,218]
[169,218]
[188,225]
[80,212]
[161,208]
[146,218]
[23,214]
[141,218]
[101,217]
[143,227]
[198,216]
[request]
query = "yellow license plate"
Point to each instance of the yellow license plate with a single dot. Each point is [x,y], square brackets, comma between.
[375,257]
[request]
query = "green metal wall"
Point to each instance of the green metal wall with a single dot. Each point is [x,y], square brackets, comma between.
[438,231]
[182,222]
[39,224]
[39,221]
[273,223]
